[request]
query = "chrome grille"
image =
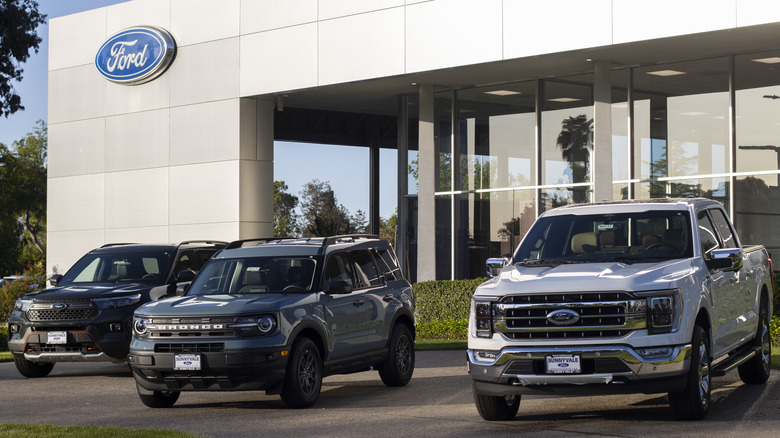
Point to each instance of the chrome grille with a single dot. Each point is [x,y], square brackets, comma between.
[605,314]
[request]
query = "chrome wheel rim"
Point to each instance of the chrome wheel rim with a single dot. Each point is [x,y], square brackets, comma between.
[766,345]
[307,372]
[403,355]
[704,375]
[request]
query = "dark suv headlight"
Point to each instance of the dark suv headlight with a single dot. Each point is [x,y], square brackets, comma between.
[255,325]
[114,302]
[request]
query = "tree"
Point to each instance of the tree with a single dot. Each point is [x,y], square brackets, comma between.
[23,201]
[285,218]
[322,214]
[575,142]
[18,34]
[388,229]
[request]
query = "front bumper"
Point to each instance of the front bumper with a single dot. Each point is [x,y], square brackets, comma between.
[612,368]
[103,342]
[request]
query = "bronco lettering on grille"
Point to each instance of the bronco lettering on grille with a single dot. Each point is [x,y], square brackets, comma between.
[187,327]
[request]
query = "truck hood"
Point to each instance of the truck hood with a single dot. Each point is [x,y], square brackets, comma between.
[588,277]
[93,290]
[239,304]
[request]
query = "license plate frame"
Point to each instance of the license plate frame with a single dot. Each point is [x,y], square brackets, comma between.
[563,364]
[189,362]
[57,338]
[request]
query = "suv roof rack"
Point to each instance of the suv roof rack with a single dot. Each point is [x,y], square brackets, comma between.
[208,242]
[109,245]
[240,243]
[321,241]
[348,238]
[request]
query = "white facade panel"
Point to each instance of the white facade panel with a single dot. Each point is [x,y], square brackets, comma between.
[528,30]
[204,133]
[137,13]
[204,72]
[341,8]
[121,99]
[75,40]
[76,203]
[77,148]
[141,235]
[198,21]
[361,46]
[635,21]
[204,193]
[64,248]
[137,140]
[256,177]
[76,93]
[262,15]
[283,59]
[225,231]
[137,198]
[448,33]
[752,12]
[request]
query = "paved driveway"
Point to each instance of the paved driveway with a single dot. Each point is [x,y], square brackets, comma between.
[437,402]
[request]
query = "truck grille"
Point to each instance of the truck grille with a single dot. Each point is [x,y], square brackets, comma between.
[582,315]
[73,310]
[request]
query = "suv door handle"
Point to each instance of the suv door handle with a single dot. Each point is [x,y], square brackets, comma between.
[357,303]
[388,298]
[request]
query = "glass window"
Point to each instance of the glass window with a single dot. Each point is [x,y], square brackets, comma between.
[120,267]
[387,264]
[338,268]
[709,240]
[724,228]
[366,272]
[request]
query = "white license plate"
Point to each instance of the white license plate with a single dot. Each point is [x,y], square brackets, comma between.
[57,337]
[563,364]
[186,362]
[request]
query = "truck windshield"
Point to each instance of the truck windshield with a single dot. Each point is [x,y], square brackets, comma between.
[256,275]
[621,237]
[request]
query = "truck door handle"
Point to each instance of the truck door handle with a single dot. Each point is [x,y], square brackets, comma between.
[387,298]
[357,303]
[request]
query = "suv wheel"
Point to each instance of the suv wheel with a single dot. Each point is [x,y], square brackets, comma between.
[32,369]
[398,368]
[303,381]
[159,399]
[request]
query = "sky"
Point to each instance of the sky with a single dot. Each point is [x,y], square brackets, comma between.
[295,163]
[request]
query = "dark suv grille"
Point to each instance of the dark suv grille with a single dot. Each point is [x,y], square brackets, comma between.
[74,310]
[589,315]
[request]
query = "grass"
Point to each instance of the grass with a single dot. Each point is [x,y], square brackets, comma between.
[5,356]
[51,431]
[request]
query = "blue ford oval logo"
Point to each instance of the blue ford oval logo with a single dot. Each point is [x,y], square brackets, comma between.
[563,317]
[59,306]
[136,55]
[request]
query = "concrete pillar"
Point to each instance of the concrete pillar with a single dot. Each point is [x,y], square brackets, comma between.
[426,198]
[256,179]
[601,173]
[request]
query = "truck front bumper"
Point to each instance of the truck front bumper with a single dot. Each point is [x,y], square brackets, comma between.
[611,368]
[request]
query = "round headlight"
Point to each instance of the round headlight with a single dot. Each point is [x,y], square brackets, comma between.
[140,326]
[266,324]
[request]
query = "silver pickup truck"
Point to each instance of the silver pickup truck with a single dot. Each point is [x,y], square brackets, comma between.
[639,296]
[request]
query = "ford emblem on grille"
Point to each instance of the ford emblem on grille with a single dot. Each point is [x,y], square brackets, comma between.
[563,317]
[59,306]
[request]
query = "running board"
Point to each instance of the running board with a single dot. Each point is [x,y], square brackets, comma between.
[734,360]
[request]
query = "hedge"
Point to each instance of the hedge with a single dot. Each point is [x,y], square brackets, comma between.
[443,308]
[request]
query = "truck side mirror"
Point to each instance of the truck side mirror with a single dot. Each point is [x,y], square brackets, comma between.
[55,279]
[729,259]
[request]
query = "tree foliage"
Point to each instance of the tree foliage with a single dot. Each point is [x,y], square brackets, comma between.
[18,34]
[576,143]
[285,218]
[322,214]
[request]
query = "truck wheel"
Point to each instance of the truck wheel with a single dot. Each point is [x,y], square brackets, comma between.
[159,399]
[493,408]
[757,369]
[303,381]
[398,368]
[693,402]
[29,368]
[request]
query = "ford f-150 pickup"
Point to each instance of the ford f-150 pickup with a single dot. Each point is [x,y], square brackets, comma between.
[639,296]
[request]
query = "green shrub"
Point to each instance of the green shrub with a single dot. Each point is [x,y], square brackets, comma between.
[443,307]
[9,293]
[774,330]
[3,338]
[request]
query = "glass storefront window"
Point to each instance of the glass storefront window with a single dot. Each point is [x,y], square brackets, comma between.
[443,131]
[443,237]
[554,198]
[567,133]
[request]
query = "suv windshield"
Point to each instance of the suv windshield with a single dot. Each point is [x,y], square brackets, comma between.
[287,274]
[120,267]
[623,237]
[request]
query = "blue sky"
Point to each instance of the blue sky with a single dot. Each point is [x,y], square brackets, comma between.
[346,168]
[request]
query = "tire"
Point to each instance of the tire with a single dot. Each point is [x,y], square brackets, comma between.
[32,369]
[494,408]
[158,399]
[693,402]
[757,369]
[398,368]
[303,381]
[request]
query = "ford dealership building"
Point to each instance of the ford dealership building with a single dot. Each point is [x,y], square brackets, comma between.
[163,114]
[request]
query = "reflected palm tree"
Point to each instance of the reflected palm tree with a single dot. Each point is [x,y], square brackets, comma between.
[576,144]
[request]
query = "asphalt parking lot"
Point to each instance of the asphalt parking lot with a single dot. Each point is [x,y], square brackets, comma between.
[437,402]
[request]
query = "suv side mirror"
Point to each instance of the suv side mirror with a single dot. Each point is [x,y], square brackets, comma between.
[339,287]
[55,279]
[186,275]
[725,259]
[181,289]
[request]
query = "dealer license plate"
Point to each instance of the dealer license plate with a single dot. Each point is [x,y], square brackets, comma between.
[186,362]
[560,364]
[57,337]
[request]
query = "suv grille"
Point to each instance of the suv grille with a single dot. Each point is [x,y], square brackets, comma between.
[74,310]
[193,327]
[189,348]
[584,315]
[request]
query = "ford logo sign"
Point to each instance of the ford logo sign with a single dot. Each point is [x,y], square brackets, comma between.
[563,317]
[136,55]
[59,306]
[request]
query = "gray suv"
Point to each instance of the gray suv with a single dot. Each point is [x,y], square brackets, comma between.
[278,315]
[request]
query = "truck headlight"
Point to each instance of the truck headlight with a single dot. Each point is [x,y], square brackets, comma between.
[141,326]
[23,305]
[483,319]
[660,314]
[114,302]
